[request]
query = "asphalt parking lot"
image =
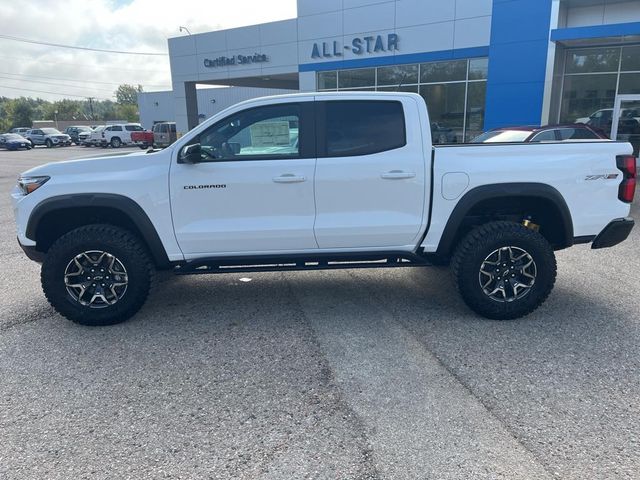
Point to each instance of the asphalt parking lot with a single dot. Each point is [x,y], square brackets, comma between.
[360,374]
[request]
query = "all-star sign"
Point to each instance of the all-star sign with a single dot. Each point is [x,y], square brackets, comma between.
[358,46]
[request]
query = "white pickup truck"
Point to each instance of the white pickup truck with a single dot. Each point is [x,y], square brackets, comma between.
[321,181]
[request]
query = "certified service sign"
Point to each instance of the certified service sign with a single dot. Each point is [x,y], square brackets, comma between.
[235,60]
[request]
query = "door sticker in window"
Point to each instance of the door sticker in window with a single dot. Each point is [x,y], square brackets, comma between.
[270,134]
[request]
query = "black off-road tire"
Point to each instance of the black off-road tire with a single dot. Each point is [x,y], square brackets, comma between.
[128,249]
[478,245]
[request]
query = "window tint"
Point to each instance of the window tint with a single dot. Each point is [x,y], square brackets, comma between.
[546,136]
[133,128]
[270,131]
[173,128]
[363,127]
[577,134]
[116,128]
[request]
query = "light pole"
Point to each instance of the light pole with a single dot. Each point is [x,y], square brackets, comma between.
[55,117]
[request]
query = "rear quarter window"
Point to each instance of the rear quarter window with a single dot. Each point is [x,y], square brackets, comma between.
[362,127]
[577,134]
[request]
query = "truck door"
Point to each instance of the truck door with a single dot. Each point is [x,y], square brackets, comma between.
[370,175]
[251,190]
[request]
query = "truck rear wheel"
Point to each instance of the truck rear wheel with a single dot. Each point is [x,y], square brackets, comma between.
[504,270]
[97,275]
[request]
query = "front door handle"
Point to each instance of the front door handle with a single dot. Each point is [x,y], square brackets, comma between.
[397,175]
[289,178]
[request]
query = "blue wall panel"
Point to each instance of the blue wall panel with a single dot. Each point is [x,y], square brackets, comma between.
[517,62]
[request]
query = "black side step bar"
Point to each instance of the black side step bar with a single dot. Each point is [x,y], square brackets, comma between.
[274,263]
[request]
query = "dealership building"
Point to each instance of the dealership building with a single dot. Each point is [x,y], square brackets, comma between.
[478,64]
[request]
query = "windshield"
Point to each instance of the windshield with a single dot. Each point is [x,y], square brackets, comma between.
[51,131]
[497,136]
[13,136]
[100,128]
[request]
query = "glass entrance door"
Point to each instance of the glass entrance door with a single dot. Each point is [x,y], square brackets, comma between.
[626,120]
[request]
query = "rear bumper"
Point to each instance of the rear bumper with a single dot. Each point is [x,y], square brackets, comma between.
[616,232]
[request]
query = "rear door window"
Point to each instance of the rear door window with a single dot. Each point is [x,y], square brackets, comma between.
[360,127]
[577,134]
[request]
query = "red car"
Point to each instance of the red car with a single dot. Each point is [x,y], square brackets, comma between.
[550,133]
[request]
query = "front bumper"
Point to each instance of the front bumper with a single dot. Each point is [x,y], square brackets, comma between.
[32,253]
[616,232]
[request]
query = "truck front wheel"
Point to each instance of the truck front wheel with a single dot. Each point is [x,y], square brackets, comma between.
[504,270]
[97,275]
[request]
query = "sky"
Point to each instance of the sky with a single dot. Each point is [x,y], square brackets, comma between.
[53,73]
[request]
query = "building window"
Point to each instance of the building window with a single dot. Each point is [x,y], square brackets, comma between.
[454,91]
[593,77]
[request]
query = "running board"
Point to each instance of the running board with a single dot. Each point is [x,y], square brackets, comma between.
[301,262]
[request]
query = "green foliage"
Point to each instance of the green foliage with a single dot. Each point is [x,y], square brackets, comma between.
[23,111]
[127,94]
[64,110]
[128,112]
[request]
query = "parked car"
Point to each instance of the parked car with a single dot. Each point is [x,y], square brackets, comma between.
[357,185]
[550,133]
[48,136]
[629,122]
[20,130]
[143,139]
[164,134]
[84,137]
[95,138]
[74,133]
[13,141]
[117,135]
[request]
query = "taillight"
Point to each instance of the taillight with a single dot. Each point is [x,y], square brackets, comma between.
[627,189]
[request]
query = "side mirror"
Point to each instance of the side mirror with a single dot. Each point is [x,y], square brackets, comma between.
[190,154]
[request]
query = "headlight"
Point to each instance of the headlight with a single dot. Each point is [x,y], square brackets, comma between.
[31,184]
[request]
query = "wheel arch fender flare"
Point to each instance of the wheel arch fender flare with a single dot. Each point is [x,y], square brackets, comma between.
[501,190]
[124,205]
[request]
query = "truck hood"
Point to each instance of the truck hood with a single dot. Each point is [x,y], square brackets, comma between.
[102,165]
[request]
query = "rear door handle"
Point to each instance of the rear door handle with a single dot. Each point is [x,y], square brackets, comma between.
[289,178]
[397,175]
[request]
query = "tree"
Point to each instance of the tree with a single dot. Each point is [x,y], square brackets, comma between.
[21,112]
[128,94]
[67,110]
[128,113]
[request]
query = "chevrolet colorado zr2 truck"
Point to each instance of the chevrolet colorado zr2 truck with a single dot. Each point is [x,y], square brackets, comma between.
[321,181]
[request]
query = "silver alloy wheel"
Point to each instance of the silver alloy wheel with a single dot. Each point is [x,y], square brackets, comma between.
[507,274]
[96,279]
